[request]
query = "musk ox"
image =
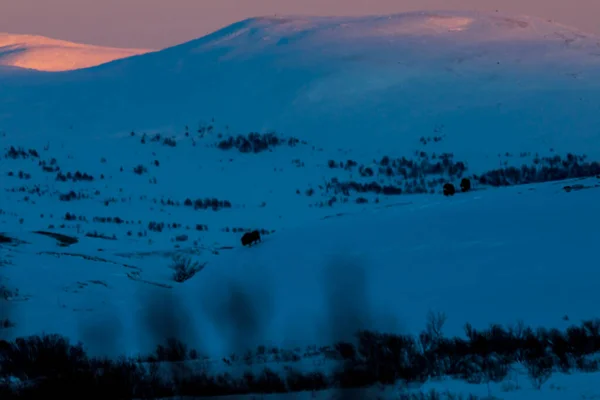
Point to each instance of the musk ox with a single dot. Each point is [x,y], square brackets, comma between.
[250,237]
[449,189]
[465,185]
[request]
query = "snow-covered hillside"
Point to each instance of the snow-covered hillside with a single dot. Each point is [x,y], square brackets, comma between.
[333,137]
[489,256]
[495,83]
[45,54]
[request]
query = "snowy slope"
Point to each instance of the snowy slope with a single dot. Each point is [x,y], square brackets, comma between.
[494,256]
[408,86]
[45,54]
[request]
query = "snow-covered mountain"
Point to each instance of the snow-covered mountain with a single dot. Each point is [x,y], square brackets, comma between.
[363,80]
[333,137]
[46,54]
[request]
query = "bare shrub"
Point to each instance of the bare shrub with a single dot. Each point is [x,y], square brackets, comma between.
[184,268]
[140,169]
[174,350]
[539,370]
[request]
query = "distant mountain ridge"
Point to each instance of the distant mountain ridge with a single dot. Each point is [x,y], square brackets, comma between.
[46,54]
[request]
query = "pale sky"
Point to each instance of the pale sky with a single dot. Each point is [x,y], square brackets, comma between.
[160,23]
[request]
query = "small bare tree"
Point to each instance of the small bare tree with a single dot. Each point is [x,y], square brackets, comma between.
[435,324]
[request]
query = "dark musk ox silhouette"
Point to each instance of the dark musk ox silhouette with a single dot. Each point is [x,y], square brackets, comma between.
[250,237]
[449,189]
[465,185]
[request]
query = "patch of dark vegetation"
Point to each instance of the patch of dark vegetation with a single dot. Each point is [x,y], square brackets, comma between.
[204,128]
[110,200]
[72,217]
[19,152]
[158,138]
[424,165]
[75,177]
[313,381]
[112,220]
[544,169]
[5,323]
[173,350]
[20,175]
[181,238]
[484,356]
[298,163]
[97,235]
[433,394]
[49,166]
[63,240]
[425,140]
[184,268]
[140,169]
[167,202]
[428,173]
[334,164]
[5,239]
[256,142]
[373,187]
[49,365]
[156,226]
[169,141]
[72,195]
[405,176]
[204,204]
[35,189]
